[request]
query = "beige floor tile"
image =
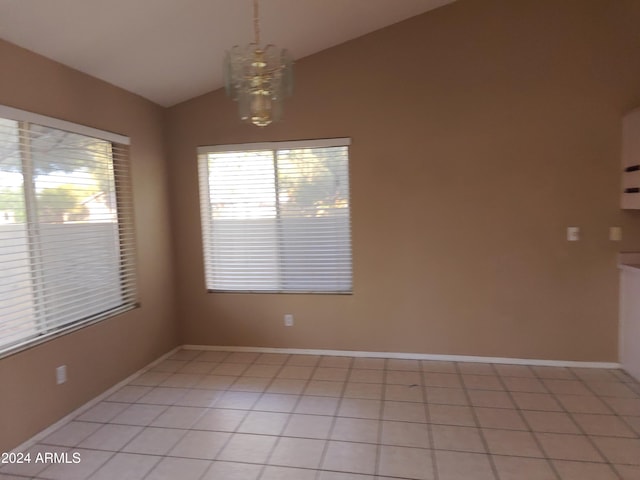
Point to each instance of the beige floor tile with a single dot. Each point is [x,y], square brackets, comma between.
[216,382]
[242,357]
[330,374]
[90,461]
[309,426]
[110,437]
[518,468]
[168,366]
[276,402]
[512,443]
[287,473]
[464,439]
[447,396]
[550,422]
[138,414]
[182,468]
[633,422]
[625,406]
[211,356]
[372,391]
[292,371]
[129,393]
[435,379]
[200,444]
[355,430]
[403,393]
[399,377]
[237,400]
[404,412]
[250,384]
[185,354]
[597,374]
[584,471]
[289,386]
[568,387]
[232,471]
[103,412]
[335,362]
[520,384]
[324,388]
[505,418]
[514,371]
[150,379]
[316,405]
[463,466]
[628,472]
[405,434]
[183,380]
[163,396]
[303,360]
[126,466]
[220,419]
[403,364]
[233,369]
[607,425]
[264,423]
[248,448]
[619,450]
[297,452]
[360,408]
[451,415]
[482,382]
[568,447]
[405,462]
[197,367]
[324,475]
[368,363]
[71,434]
[536,401]
[350,457]
[554,373]
[366,376]
[437,366]
[154,441]
[199,398]
[272,359]
[487,398]
[476,368]
[611,389]
[178,417]
[263,371]
[583,404]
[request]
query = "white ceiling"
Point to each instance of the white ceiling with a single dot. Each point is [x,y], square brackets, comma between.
[171,50]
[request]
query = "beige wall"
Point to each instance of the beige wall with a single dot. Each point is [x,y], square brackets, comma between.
[101,355]
[480,132]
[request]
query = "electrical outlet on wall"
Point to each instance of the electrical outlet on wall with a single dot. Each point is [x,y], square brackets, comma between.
[61,374]
[288,320]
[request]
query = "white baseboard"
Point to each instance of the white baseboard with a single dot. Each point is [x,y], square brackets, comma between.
[94,401]
[409,356]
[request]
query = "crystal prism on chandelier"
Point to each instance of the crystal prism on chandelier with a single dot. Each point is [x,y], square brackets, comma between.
[258,78]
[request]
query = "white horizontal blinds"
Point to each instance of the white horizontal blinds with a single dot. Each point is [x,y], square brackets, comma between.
[66,231]
[277,219]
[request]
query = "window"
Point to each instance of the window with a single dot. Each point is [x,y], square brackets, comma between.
[66,233]
[275,217]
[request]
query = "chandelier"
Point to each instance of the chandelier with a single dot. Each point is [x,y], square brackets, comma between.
[258,78]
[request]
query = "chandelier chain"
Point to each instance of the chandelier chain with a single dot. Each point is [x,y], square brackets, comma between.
[256,22]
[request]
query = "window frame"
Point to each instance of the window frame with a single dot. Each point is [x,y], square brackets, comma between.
[125,226]
[274,147]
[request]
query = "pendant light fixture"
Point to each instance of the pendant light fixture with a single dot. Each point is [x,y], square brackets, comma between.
[258,78]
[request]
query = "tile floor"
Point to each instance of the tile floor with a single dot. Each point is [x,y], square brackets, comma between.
[205,415]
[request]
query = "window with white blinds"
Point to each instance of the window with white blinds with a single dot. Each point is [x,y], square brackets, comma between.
[276,217]
[66,227]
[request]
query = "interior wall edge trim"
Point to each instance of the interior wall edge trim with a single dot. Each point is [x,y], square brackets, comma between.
[409,356]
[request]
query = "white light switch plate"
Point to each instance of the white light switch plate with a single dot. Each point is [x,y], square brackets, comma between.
[573,234]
